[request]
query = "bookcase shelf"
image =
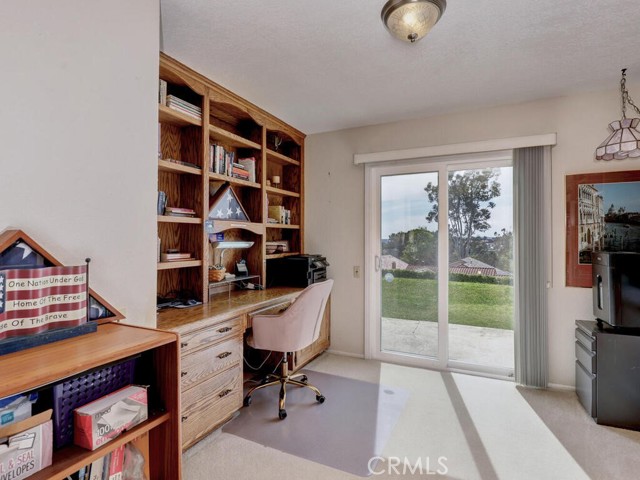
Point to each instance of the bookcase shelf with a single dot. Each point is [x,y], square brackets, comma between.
[282,225]
[231,129]
[40,367]
[231,139]
[281,192]
[224,225]
[233,180]
[273,256]
[174,219]
[173,117]
[68,460]
[172,167]
[175,265]
[281,159]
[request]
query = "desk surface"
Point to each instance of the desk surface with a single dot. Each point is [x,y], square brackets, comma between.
[183,320]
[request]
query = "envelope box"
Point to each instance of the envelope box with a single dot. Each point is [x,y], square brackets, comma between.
[26,447]
[102,420]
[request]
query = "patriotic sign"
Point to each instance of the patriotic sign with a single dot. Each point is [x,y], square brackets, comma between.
[41,299]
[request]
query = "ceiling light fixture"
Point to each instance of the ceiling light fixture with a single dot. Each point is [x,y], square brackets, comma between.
[410,20]
[624,142]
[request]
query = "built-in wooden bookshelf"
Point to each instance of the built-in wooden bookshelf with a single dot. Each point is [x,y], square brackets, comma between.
[245,131]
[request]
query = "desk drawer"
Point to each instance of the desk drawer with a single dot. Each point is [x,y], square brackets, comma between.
[588,341]
[207,336]
[209,403]
[200,365]
[586,357]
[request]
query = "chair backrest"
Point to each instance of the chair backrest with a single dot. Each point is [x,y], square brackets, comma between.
[298,326]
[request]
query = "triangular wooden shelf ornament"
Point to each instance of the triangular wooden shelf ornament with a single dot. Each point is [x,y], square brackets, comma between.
[19,251]
[224,205]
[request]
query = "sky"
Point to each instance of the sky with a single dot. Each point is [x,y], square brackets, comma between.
[623,194]
[405,204]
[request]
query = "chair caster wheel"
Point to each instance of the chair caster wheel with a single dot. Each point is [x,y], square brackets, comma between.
[320,398]
[247,401]
[282,414]
[304,379]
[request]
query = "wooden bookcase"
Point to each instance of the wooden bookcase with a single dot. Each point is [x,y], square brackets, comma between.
[158,438]
[248,131]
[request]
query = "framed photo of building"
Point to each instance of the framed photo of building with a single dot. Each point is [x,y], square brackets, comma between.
[603,213]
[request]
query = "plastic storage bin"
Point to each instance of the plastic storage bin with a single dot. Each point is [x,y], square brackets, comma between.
[80,390]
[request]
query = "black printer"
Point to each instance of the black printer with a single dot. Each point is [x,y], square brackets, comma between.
[297,270]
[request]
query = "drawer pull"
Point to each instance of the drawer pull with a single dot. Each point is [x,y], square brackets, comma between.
[224,355]
[225,329]
[183,374]
[184,418]
[224,393]
[184,344]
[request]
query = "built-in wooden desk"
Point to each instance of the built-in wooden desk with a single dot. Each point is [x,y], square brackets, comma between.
[211,342]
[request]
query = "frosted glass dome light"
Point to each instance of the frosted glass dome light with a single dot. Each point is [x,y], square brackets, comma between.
[410,20]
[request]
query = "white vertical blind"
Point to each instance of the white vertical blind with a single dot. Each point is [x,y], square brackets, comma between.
[531,167]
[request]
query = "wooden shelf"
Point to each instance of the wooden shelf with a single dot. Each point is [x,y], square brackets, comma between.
[172,167]
[232,180]
[281,159]
[75,355]
[231,139]
[280,255]
[174,117]
[282,225]
[174,265]
[68,460]
[280,192]
[223,225]
[174,219]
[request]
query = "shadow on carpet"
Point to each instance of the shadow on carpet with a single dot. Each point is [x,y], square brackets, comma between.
[351,427]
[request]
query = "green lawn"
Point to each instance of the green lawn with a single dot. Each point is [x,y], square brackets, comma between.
[477,304]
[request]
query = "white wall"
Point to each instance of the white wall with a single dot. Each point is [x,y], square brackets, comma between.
[78,138]
[335,198]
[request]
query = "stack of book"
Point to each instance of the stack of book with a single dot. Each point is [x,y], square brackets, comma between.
[183,106]
[249,165]
[179,212]
[239,171]
[175,257]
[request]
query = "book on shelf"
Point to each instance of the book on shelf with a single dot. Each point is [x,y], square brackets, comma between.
[183,163]
[162,92]
[249,165]
[184,107]
[175,257]
[159,140]
[221,161]
[162,202]
[179,211]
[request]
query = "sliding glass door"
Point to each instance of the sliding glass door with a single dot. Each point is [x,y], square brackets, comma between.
[440,241]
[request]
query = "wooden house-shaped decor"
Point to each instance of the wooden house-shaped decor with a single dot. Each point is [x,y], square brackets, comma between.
[42,301]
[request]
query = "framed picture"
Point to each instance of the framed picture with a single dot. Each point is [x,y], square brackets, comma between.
[603,213]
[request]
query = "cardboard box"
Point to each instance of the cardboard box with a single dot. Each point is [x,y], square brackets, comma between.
[27,448]
[102,420]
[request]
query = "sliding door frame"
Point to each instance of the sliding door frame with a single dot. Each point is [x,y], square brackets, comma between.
[372,264]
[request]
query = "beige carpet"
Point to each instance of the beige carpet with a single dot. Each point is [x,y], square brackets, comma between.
[483,428]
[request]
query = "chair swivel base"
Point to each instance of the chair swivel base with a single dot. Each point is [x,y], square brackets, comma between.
[283,380]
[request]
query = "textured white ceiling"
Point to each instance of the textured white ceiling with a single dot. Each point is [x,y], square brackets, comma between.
[325,65]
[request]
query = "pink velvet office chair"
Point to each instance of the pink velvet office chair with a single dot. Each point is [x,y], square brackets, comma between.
[294,329]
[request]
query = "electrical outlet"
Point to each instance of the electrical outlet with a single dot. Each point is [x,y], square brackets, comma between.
[356,271]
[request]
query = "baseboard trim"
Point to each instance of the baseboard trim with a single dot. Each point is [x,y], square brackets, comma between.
[559,386]
[345,354]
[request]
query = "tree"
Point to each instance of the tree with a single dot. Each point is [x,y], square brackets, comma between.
[470,204]
[421,247]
